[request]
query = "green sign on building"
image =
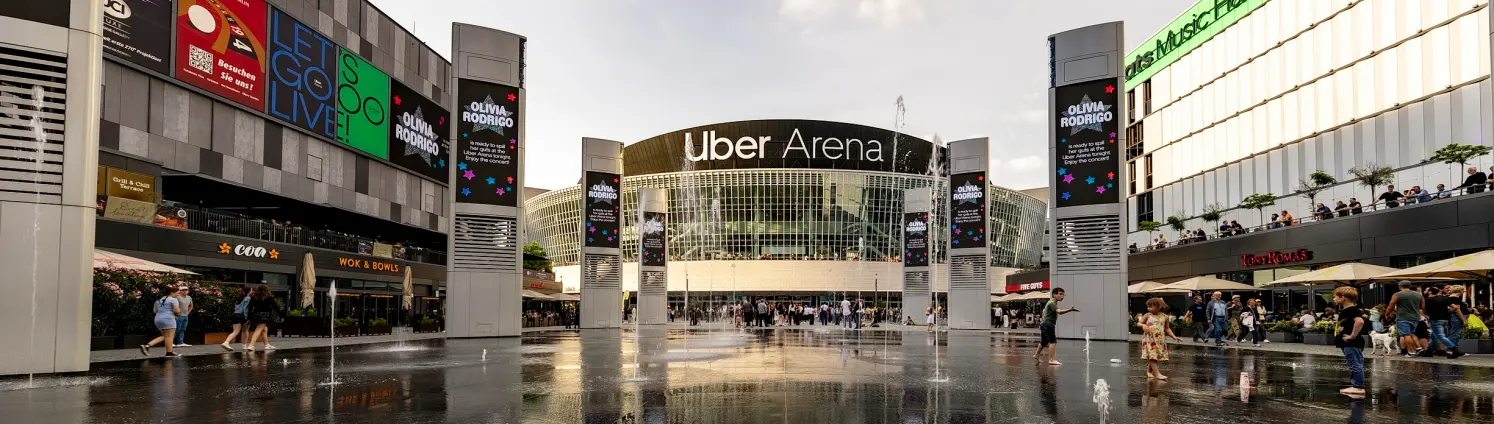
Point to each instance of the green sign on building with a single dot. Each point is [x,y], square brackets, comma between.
[1201,22]
[362,106]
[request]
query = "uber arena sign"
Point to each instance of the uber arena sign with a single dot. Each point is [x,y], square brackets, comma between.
[715,147]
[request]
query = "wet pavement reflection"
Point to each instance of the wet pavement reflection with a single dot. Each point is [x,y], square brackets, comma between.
[799,375]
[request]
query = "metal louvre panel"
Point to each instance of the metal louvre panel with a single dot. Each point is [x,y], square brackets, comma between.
[968,272]
[33,97]
[652,282]
[1087,244]
[485,243]
[916,281]
[601,272]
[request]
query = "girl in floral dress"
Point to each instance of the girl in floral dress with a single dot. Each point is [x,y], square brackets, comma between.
[1155,330]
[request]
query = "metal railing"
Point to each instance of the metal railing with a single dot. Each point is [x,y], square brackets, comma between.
[1222,232]
[194,218]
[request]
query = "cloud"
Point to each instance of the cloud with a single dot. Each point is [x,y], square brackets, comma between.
[1027,163]
[890,13]
[807,10]
[1029,116]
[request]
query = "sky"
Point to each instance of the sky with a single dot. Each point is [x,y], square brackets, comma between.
[628,70]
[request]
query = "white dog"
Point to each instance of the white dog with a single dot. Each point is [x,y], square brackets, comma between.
[1386,339]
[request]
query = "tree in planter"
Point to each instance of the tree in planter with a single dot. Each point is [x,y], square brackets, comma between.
[1311,187]
[1259,202]
[1459,154]
[1211,214]
[1176,223]
[1149,227]
[1373,176]
[534,248]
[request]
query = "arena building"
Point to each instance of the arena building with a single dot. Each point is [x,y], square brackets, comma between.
[792,208]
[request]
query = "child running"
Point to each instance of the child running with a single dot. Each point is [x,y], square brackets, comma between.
[1155,330]
[1050,321]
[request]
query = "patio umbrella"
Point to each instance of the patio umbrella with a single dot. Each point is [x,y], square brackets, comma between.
[1037,295]
[1349,273]
[531,294]
[1470,266]
[1151,287]
[307,281]
[107,259]
[1204,283]
[409,289]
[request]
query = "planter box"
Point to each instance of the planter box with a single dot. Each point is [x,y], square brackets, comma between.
[104,343]
[305,327]
[1476,346]
[214,338]
[377,329]
[1317,339]
[347,331]
[1184,332]
[427,328]
[194,338]
[135,340]
[1279,337]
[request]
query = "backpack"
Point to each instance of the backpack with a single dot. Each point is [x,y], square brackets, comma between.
[242,308]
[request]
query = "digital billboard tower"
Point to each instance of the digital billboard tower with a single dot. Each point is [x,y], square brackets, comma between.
[484,269]
[969,255]
[653,255]
[917,208]
[1088,210]
[600,231]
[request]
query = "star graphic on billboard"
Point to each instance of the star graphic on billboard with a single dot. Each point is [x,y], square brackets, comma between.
[396,100]
[466,192]
[1062,171]
[462,165]
[1108,89]
[468,174]
[1085,107]
[1100,189]
[1068,178]
[512,97]
[1110,175]
[1089,180]
[1065,195]
[492,180]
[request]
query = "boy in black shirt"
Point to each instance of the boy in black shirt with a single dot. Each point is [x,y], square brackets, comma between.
[1349,336]
[1391,197]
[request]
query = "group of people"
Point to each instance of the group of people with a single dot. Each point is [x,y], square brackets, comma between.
[764,313]
[1234,320]
[1429,322]
[252,317]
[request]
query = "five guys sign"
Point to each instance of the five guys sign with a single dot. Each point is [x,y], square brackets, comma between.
[1275,258]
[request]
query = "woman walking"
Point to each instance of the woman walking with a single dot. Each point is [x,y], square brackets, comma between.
[1154,334]
[240,317]
[262,310]
[166,309]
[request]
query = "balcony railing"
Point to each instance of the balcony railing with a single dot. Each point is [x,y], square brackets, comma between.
[1221,232]
[171,214]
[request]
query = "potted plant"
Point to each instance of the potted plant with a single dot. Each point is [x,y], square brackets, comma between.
[1281,332]
[1476,340]
[305,323]
[1182,328]
[377,326]
[427,324]
[1321,333]
[1131,323]
[345,327]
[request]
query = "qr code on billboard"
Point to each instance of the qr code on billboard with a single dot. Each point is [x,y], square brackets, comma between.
[200,59]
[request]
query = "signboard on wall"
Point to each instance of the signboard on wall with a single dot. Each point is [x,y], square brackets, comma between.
[139,31]
[652,239]
[603,210]
[1087,158]
[53,13]
[487,144]
[418,133]
[915,239]
[362,111]
[220,47]
[783,143]
[303,65]
[967,210]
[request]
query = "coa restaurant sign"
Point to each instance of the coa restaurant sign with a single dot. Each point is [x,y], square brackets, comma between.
[248,251]
[1275,258]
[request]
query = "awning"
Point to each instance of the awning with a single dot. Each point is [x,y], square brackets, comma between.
[531,294]
[107,259]
[564,297]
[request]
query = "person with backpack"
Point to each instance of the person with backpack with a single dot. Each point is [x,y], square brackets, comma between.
[240,318]
[165,309]
[262,310]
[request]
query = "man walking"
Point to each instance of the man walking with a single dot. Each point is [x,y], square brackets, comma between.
[181,320]
[1406,306]
[845,312]
[1198,313]
[762,313]
[1438,316]
[1050,321]
[1218,318]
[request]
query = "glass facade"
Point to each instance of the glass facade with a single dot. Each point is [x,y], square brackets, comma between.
[775,214]
[1302,86]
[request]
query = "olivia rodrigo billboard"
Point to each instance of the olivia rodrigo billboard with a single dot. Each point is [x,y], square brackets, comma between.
[220,47]
[653,244]
[1087,159]
[967,210]
[915,239]
[603,211]
[418,133]
[487,144]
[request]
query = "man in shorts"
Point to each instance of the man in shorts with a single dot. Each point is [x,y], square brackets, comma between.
[1050,321]
[1406,306]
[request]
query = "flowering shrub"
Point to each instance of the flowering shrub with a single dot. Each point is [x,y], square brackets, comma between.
[123,300]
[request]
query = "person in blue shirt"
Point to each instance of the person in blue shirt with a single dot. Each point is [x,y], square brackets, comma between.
[1218,312]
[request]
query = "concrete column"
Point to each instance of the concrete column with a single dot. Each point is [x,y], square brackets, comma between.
[485,268]
[601,244]
[653,256]
[968,219]
[918,205]
[1089,209]
[47,207]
